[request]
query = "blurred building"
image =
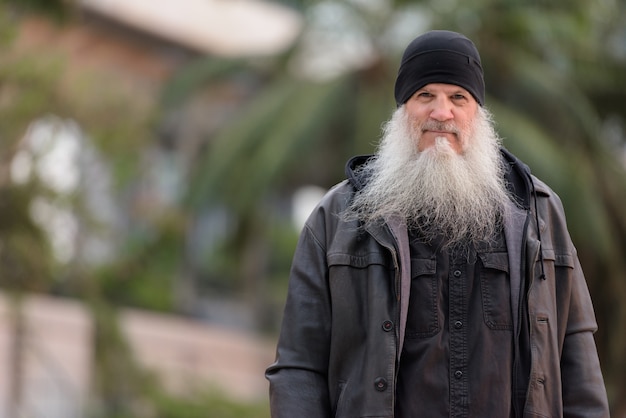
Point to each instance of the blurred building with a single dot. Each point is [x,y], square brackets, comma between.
[47,356]
[232,28]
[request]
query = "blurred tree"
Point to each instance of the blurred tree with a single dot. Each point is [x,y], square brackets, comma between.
[32,86]
[25,256]
[554,75]
[60,10]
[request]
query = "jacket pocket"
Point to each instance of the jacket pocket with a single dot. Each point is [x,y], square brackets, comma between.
[495,287]
[554,263]
[423,316]
[359,261]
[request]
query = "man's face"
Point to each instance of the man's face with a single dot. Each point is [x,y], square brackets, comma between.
[442,113]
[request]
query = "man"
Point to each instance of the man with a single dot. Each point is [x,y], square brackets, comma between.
[439,279]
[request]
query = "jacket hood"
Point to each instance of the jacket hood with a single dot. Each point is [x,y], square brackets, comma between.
[356,177]
[517,175]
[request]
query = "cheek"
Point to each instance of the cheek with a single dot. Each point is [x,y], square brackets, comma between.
[466,136]
[415,129]
[419,141]
[416,114]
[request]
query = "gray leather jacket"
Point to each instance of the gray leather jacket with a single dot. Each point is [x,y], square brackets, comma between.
[345,315]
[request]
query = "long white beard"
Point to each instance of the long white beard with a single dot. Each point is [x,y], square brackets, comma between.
[460,198]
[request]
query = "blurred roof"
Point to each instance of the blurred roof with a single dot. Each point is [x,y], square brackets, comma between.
[220,27]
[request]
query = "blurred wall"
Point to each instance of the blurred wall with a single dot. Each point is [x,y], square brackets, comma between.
[54,353]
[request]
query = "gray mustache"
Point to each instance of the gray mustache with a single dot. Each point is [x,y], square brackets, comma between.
[440,126]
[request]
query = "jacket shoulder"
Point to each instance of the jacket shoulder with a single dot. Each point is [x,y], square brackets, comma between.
[326,215]
[542,188]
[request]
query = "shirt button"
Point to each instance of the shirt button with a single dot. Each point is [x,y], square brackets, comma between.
[380,384]
[457,273]
[387,326]
[458,374]
[458,325]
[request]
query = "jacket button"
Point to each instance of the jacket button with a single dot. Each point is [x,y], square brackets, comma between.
[457,273]
[458,374]
[380,384]
[458,325]
[387,326]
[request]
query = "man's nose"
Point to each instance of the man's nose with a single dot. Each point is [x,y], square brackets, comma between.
[442,110]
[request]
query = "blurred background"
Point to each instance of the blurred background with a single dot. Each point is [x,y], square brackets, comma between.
[158,159]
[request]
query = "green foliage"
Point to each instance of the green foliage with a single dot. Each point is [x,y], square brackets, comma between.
[118,381]
[195,76]
[57,9]
[25,256]
[209,404]
[26,92]
[144,274]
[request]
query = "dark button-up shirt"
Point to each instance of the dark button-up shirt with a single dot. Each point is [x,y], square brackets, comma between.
[458,349]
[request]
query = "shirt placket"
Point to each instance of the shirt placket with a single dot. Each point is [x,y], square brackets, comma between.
[459,390]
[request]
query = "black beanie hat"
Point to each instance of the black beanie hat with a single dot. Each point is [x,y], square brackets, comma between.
[440,56]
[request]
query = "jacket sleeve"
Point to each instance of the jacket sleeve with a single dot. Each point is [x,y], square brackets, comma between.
[298,377]
[563,323]
[584,394]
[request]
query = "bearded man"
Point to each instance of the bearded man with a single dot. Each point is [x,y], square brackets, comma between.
[439,279]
